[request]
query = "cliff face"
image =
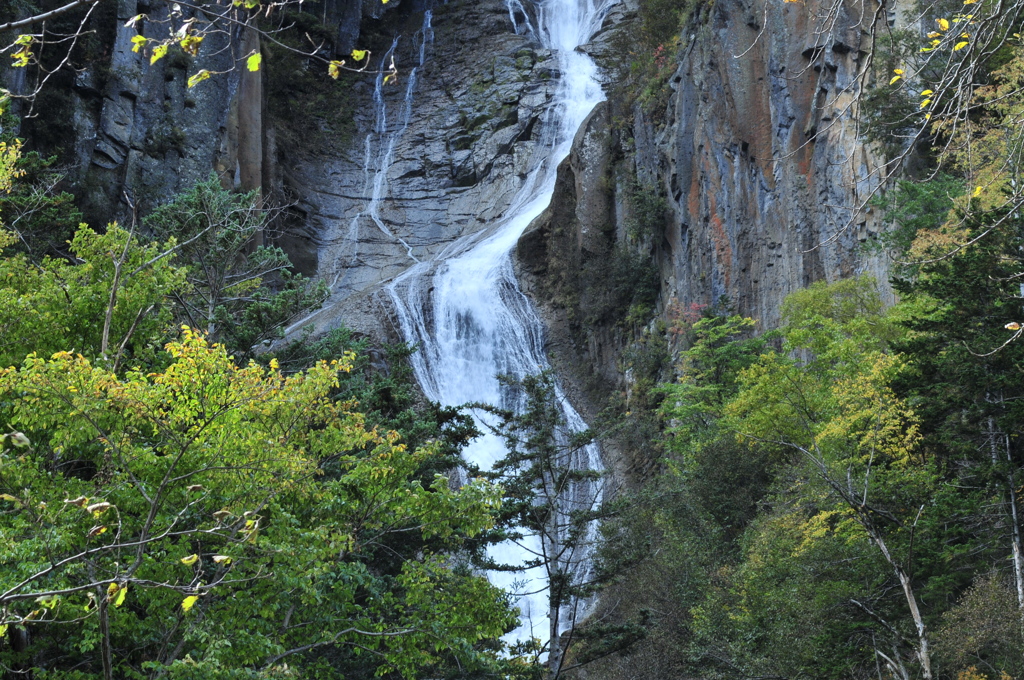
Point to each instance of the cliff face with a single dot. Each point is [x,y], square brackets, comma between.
[436,156]
[756,156]
[140,135]
[756,152]
[760,157]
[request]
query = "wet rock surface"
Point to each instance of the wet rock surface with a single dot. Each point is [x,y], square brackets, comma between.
[472,129]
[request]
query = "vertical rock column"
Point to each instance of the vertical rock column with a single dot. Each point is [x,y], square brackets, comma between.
[250,122]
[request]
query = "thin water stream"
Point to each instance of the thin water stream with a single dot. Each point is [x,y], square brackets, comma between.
[379,150]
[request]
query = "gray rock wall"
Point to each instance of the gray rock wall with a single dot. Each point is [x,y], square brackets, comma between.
[757,153]
[456,166]
[760,156]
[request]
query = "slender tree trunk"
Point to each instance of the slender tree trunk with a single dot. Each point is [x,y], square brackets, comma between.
[1011,509]
[923,652]
[104,617]
[1018,559]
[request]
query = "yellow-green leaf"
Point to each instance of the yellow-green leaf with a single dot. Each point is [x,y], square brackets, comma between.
[112,590]
[119,600]
[943,24]
[894,79]
[3,630]
[22,57]
[334,69]
[925,103]
[198,78]
[926,93]
[222,559]
[977,192]
[138,41]
[253,62]
[190,560]
[158,53]
[188,602]
[190,43]
[359,55]
[960,45]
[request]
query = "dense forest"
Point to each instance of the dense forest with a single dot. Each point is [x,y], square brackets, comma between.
[192,486]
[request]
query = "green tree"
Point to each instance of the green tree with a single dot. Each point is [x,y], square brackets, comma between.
[962,312]
[110,304]
[228,522]
[551,493]
[242,294]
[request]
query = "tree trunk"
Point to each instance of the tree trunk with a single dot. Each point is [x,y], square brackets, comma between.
[923,653]
[105,654]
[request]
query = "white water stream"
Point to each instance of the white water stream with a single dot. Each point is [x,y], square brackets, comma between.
[465,312]
[379,150]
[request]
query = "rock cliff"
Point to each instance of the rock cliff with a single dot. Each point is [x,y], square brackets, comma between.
[756,150]
[756,154]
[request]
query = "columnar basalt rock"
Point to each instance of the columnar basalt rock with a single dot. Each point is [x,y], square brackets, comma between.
[758,156]
[761,159]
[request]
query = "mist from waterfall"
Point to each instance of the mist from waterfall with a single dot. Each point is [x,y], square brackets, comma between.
[470,321]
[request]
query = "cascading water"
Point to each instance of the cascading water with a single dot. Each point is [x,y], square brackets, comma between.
[466,313]
[379,150]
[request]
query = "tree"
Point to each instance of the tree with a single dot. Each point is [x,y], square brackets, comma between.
[111,304]
[230,294]
[965,366]
[550,503]
[137,511]
[837,409]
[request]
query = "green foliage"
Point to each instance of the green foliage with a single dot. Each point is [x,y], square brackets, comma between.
[242,295]
[43,216]
[382,383]
[56,305]
[629,286]
[984,624]
[649,212]
[824,509]
[913,207]
[550,495]
[208,481]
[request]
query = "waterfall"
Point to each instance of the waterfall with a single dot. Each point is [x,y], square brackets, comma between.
[466,313]
[379,151]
